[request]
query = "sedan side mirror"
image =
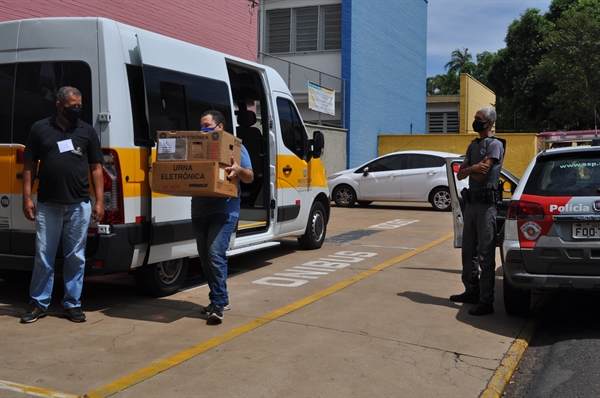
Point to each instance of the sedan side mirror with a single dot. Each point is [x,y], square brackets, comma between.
[365,171]
[507,186]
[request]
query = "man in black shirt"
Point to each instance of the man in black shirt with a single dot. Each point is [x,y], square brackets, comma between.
[65,148]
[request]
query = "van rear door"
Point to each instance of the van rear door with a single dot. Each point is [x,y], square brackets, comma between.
[28,87]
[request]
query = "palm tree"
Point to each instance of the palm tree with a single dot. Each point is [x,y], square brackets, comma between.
[458,61]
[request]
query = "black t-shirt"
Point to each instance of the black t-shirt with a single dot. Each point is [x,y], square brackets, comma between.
[64,158]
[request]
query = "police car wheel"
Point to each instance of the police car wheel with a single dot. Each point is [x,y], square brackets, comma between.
[344,196]
[316,228]
[163,278]
[440,199]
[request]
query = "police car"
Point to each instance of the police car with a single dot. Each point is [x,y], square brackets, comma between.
[552,229]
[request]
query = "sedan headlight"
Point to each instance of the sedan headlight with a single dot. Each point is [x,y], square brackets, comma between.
[333,177]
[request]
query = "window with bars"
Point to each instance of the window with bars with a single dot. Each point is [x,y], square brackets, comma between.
[304,29]
[442,123]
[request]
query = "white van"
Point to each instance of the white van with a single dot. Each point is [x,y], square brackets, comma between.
[135,83]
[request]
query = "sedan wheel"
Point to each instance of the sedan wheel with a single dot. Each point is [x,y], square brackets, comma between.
[440,199]
[344,196]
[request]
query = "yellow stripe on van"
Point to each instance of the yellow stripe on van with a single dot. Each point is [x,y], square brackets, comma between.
[302,174]
[133,163]
[134,171]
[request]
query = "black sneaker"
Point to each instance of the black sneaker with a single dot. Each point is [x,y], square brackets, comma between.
[33,314]
[216,313]
[75,314]
[465,297]
[206,310]
[482,309]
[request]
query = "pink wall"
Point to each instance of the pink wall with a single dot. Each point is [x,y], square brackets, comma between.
[228,26]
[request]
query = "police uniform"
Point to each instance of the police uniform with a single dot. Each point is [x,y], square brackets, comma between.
[479,230]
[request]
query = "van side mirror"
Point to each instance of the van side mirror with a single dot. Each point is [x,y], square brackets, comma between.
[318,144]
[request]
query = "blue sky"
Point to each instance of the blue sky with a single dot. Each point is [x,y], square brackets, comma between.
[479,25]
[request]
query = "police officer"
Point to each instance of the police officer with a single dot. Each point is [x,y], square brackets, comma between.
[482,164]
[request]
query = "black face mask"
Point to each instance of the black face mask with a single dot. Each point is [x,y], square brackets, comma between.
[478,126]
[71,114]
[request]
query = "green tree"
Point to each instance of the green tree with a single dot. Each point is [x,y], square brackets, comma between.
[447,84]
[572,63]
[485,60]
[520,95]
[458,61]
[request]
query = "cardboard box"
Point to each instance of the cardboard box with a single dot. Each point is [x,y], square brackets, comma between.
[192,179]
[217,146]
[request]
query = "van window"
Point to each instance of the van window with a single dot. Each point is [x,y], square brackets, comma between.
[292,129]
[176,99]
[7,83]
[141,130]
[34,95]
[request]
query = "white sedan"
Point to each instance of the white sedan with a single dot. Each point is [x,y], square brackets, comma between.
[406,176]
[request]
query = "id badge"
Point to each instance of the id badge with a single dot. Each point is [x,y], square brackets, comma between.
[65,146]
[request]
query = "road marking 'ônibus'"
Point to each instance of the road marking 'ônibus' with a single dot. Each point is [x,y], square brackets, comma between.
[394,224]
[299,275]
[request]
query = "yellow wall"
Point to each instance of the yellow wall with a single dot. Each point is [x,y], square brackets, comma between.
[473,96]
[520,147]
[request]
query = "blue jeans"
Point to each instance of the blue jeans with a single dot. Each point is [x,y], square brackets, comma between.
[212,239]
[52,220]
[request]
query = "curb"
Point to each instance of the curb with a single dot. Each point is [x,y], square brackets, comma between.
[504,373]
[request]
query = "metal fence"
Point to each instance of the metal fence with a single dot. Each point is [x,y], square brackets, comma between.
[297,77]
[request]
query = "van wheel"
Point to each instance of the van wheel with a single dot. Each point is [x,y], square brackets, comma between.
[163,278]
[316,228]
[516,301]
[344,196]
[440,199]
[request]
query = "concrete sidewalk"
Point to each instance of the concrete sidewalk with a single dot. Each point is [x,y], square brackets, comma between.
[380,327]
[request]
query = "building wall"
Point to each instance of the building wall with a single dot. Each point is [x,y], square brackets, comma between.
[383,61]
[333,158]
[473,96]
[297,69]
[229,26]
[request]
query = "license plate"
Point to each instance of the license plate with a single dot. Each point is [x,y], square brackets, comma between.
[586,230]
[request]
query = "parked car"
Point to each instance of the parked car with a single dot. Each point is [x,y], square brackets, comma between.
[552,229]
[406,176]
[550,236]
